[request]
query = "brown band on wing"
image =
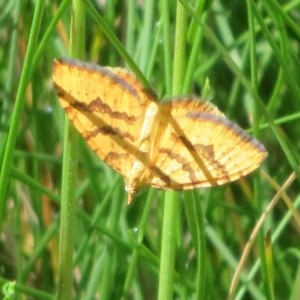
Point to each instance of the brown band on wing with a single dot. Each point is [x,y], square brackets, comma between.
[231,125]
[192,151]
[104,129]
[207,151]
[115,156]
[102,71]
[98,105]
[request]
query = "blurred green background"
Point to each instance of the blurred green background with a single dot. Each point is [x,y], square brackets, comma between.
[243,56]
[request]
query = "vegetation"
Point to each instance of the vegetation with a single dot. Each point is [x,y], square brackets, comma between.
[66,230]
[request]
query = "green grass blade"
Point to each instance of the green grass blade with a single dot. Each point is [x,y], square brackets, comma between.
[69,173]
[19,104]
[171,205]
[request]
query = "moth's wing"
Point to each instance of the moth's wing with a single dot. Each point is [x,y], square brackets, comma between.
[106,105]
[196,146]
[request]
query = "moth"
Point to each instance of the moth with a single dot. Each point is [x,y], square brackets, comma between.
[182,144]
